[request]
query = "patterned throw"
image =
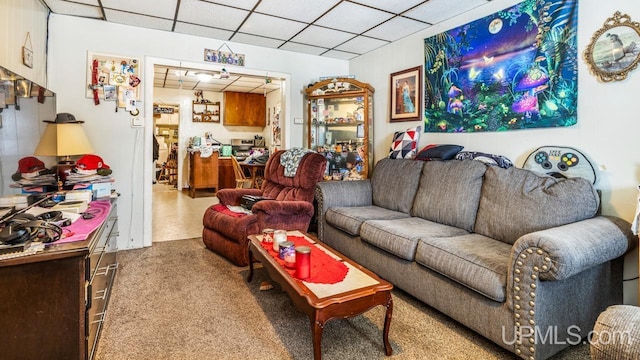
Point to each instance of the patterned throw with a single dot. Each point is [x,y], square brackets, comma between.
[290,159]
[324,268]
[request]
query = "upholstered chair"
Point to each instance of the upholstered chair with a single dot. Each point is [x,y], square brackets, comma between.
[291,208]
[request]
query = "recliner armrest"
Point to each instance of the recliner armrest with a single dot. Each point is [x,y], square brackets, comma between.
[233,196]
[283,208]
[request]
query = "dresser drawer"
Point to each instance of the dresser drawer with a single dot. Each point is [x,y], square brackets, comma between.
[101,244]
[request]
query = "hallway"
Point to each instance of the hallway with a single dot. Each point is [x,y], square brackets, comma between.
[176,216]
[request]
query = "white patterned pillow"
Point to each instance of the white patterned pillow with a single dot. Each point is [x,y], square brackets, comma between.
[405,143]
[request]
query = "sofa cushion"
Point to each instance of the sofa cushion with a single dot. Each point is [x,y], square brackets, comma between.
[394,183]
[400,236]
[449,192]
[515,202]
[350,219]
[473,260]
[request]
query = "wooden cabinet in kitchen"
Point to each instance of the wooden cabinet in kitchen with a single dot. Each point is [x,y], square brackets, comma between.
[244,109]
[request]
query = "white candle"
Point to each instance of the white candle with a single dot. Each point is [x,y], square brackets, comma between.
[279,236]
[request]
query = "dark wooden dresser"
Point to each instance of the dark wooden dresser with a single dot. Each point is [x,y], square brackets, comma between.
[53,303]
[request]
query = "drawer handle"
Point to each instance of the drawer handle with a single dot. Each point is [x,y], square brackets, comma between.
[101,318]
[105,269]
[101,294]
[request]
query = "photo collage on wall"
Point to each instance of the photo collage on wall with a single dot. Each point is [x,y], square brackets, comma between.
[113,78]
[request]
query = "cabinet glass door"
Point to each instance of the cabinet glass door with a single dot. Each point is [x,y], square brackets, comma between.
[337,132]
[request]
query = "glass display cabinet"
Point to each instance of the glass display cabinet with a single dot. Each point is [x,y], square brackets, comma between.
[339,125]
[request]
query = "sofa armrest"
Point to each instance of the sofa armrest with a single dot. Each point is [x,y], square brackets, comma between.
[561,252]
[557,254]
[233,196]
[341,194]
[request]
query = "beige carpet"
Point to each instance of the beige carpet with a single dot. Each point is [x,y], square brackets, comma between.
[178,300]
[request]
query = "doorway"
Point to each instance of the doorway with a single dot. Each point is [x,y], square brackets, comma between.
[169,213]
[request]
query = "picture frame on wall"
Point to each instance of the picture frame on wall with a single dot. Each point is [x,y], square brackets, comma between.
[405,97]
[612,53]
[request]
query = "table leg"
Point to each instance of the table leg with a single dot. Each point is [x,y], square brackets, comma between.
[316,333]
[250,277]
[387,324]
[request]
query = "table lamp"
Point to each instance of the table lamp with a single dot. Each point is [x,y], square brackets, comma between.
[64,138]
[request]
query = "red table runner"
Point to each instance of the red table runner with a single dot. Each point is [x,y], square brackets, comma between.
[324,268]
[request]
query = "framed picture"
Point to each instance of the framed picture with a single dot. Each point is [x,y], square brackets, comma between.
[27,57]
[406,87]
[613,51]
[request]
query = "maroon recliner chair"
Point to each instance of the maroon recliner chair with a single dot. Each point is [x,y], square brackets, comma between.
[291,208]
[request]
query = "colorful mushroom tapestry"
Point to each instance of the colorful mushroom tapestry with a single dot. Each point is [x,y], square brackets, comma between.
[514,69]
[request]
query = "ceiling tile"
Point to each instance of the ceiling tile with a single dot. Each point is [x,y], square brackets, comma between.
[302,48]
[271,26]
[204,13]
[435,11]
[394,6]
[161,8]
[396,29]
[340,55]
[302,10]
[138,20]
[66,8]
[342,18]
[87,2]
[361,45]
[323,37]
[257,40]
[203,31]
[243,4]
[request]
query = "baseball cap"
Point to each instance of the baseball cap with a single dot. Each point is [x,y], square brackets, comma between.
[89,164]
[30,164]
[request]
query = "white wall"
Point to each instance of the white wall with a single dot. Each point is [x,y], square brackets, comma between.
[112,137]
[607,126]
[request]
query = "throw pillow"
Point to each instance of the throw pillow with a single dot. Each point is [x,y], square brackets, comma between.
[438,152]
[405,143]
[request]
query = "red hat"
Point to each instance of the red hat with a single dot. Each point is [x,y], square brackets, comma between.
[91,162]
[30,164]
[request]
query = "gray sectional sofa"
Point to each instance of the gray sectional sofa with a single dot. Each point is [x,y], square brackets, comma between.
[521,258]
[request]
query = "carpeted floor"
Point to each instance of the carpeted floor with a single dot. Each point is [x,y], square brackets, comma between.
[178,300]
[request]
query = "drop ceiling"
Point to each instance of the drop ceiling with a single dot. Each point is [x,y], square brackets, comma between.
[187,79]
[341,29]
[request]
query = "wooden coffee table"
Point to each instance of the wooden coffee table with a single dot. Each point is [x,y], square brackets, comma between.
[360,291]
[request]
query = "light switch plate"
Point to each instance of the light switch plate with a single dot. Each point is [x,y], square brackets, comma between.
[136,121]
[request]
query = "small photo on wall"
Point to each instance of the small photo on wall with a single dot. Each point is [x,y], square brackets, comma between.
[110,93]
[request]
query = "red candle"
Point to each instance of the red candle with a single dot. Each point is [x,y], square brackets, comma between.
[303,262]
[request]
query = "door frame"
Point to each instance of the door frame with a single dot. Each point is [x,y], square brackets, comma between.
[149,64]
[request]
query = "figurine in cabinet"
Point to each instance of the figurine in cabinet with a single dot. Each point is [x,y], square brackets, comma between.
[339,125]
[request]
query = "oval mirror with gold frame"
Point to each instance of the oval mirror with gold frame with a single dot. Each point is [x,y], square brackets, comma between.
[614,50]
